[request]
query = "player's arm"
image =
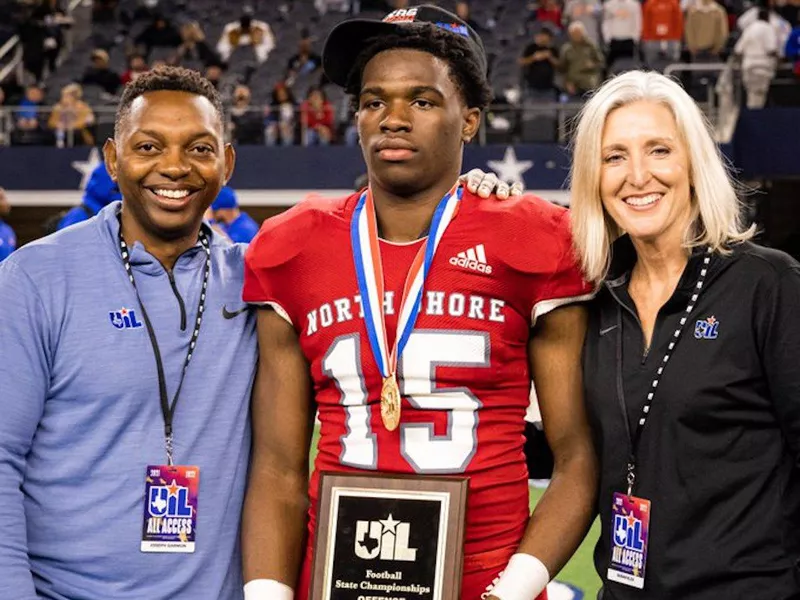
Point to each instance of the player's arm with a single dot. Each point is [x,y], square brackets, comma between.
[564,513]
[25,373]
[274,519]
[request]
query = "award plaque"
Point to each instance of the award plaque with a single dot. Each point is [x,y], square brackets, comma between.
[389,536]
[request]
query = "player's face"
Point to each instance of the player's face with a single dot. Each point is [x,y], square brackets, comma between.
[170,161]
[644,178]
[412,121]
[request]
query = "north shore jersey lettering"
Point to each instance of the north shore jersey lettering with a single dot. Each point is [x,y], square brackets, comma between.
[434,303]
[463,376]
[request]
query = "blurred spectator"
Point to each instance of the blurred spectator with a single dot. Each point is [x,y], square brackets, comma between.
[8,241]
[247,124]
[224,84]
[622,29]
[662,31]
[72,118]
[316,117]
[758,49]
[588,12]
[792,49]
[100,74]
[781,26]
[539,62]
[42,37]
[240,227]
[136,66]
[581,61]
[280,119]
[195,47]
[247,31]
[28,114]
[305,62]
[464,13]
[158,34]
[706,30]
[100,191]
[546,11]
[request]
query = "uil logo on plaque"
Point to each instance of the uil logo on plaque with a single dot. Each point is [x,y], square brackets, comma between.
[383,536]
[384,540]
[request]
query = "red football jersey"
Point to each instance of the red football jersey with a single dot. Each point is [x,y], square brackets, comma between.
[464,374]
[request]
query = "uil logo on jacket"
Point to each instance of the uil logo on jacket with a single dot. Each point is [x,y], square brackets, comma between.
[124,318]
[706,329]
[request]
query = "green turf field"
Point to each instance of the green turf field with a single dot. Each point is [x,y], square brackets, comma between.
[579,571]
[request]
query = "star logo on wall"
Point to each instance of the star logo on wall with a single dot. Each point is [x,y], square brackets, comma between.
[85,167]
[510,169]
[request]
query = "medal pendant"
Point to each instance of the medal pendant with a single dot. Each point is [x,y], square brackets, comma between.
[390,403]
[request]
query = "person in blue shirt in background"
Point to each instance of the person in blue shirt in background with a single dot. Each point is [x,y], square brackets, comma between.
[8,240]
[100,191]
[239,226]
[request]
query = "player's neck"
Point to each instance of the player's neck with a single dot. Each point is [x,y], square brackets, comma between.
[407,218]
[165,251]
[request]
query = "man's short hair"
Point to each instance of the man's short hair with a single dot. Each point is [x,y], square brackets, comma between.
[465,70]
[175,79]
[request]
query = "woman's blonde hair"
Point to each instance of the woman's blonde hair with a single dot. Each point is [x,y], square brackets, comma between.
[716,208]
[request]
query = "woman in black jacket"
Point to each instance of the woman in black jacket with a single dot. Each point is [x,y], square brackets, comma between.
[690,360]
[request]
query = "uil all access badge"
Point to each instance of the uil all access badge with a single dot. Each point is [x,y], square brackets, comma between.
[629,537]
[170,510]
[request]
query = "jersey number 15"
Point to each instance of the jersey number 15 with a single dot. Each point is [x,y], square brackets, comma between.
[426,350]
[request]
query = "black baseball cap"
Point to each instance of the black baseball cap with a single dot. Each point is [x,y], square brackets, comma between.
[346,41]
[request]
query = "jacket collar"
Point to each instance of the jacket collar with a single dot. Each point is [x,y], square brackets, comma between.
[141,259]
[623,258]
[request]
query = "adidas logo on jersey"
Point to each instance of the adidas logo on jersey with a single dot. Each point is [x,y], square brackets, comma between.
[473,259]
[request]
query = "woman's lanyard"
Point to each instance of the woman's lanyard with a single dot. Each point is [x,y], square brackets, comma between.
[633,442]
[167,409]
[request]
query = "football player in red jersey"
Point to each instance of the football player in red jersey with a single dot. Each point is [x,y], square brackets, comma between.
[415,285]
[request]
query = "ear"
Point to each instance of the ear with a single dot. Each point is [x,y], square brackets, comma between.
[230,162]
[110,158]
[472,121]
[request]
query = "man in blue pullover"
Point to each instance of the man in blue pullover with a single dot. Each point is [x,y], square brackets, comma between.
[100,191]
[125,343]
[239,226]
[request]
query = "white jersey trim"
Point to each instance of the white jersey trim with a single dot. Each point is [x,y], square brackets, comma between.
[545,306]
[277,308]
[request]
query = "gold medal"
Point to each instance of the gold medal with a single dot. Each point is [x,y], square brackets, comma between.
[390,403]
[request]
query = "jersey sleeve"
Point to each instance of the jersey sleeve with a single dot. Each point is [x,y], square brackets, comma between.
[540,249]
[566,284]
[272,257]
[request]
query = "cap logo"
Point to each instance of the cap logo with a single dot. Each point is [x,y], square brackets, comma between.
[401,15]
[454,28]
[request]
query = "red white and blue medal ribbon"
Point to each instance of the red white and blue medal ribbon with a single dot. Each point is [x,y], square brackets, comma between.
[369,274]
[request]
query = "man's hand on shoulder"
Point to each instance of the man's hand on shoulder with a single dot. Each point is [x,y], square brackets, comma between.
[484,184]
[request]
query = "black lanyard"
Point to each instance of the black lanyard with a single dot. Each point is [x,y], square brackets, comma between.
[676,336]
[167,409]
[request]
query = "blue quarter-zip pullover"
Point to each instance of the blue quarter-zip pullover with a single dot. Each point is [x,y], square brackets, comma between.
[80,417]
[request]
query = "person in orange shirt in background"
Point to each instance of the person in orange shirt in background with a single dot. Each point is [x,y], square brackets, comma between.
[662,32]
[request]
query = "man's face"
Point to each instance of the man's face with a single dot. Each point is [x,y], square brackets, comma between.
[170,161]
[34,94]
[213,73]
[412,120]
[576,35]
[542,39]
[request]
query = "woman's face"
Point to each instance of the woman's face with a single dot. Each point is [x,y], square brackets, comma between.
[644,177]
[281,95]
